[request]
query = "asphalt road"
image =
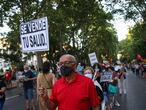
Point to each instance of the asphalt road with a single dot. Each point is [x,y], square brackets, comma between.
[134,100]
[15,99]
[136,94]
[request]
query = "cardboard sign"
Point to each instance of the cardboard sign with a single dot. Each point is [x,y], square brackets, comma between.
[93,58]
[34,35]
[106,77]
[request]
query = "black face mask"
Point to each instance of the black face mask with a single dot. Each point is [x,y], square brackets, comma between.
[66,71]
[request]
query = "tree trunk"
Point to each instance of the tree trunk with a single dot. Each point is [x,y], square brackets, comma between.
[39,60]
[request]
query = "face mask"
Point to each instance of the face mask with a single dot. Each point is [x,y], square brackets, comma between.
[66,71]
[25,70]
[51,71]
[89,75]
[58,71]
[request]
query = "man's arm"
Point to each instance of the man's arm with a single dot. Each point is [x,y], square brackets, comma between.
[48,103]
[3,89]
[34,78]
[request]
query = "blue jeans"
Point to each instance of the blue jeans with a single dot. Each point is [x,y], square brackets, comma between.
[28,94]
[1,104]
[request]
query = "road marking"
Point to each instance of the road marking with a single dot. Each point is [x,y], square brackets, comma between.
[8,98]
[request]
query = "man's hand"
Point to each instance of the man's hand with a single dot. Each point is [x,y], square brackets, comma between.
[96,107]
[42,92]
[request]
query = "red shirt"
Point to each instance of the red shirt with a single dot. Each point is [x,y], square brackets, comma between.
[80,94]
[8,75]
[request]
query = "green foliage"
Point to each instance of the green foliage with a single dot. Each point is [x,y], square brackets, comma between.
[130,9]
[134,44]
[75,26]
[139,39]
[134,10]
[125,49]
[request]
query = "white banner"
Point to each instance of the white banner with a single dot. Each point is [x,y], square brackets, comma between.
[34,35]
[93,58]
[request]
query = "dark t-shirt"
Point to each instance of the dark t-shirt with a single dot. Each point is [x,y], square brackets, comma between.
[28,84]
[2,95]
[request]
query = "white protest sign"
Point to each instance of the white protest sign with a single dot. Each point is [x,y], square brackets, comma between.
[107,76]
[93,58]
[34,35]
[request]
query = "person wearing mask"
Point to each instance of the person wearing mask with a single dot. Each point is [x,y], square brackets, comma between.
[27,80]
[97,73]
[122,81]
[46,80]
[72,91]
[2,92]
[89,72]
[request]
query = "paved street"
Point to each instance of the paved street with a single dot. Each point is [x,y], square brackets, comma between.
[134,100]
[15,99]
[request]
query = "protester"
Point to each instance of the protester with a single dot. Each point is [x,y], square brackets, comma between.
[89,72]
[114,84]
[80,68]
[8,78]
[106,78]
[121,81]
[72,91]
[45,80]
[97,68]
[28,87]
[2,92]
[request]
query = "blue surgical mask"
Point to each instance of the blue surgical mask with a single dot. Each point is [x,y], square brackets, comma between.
[66,71]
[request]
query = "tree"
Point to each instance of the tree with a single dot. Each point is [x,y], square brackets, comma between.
[74,25]
[132,10]
[138,39]
[126,51]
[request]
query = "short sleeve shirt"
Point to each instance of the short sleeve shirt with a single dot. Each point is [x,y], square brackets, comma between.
[28,84]
[77,95]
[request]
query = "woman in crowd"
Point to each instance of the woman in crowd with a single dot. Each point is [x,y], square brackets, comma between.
[89,72]
[121,82]
[45,80]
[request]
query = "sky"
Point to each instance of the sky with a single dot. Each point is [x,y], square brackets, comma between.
[122,28]
[5,28]
[120,25]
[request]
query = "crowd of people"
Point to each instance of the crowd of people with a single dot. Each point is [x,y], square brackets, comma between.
[74,78]
[72,86]
[139,69]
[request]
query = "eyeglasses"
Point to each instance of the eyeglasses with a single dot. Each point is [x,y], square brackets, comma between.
[66,63]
